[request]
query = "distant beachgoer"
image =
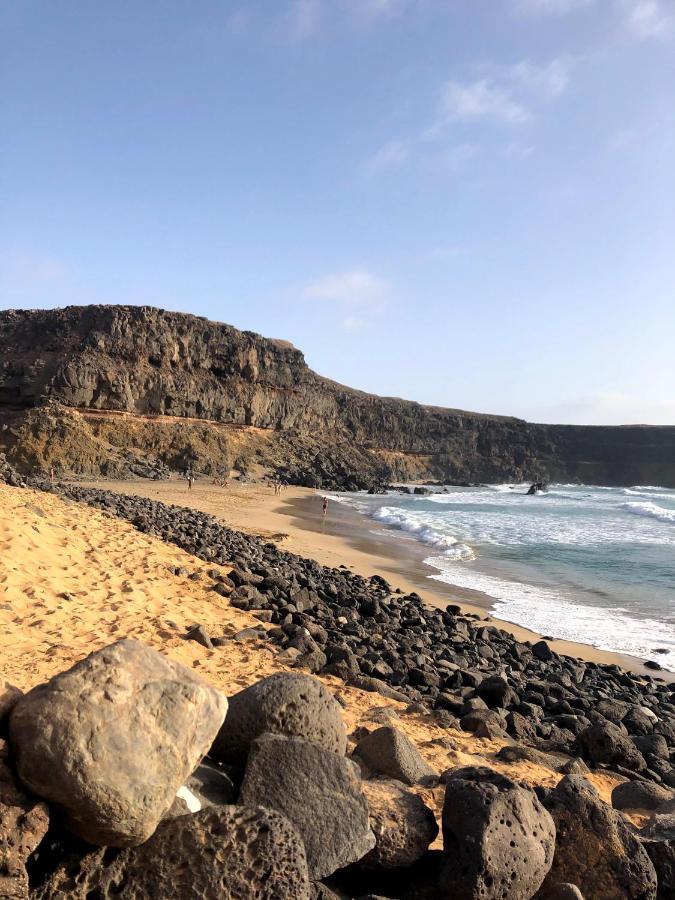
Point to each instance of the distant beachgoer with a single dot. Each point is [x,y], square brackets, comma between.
[324,506]
[190,480]
[51,474]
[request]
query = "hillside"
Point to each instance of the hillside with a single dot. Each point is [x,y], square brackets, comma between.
[124,390]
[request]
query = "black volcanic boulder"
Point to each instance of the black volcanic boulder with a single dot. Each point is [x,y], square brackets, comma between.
[595,848]
[389,751]
[640,795]
[111,740]
[23,824]
[606,743]
[319,791]
[496,691]
[288,704]
[402,823]
[229,853]
[498,840]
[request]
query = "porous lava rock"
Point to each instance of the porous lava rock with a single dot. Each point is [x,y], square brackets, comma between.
[402,823]
[288,704]
[606,743]
[111,740]
[388,751]
[221,853]
[498,840]
[319,791]
[595,847]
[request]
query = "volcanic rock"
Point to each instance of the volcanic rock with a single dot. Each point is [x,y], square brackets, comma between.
[595,847]
[318,791]
[286,704]
[389,751]
[403,825]
[111,740]
[227,852]
[498,840]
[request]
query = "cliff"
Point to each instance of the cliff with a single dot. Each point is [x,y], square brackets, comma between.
[92,387]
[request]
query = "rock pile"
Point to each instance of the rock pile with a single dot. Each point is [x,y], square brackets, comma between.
[131,752]
[335,622]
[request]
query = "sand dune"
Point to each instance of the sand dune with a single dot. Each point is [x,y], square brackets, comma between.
[73,579]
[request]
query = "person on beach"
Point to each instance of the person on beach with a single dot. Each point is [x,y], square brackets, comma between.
[324,506]
[190,480]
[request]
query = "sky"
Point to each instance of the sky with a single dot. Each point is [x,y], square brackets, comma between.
[469,203]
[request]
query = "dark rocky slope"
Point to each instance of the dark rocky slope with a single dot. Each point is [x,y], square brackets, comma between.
[147,362]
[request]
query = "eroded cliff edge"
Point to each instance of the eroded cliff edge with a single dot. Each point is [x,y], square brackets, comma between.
[95,388]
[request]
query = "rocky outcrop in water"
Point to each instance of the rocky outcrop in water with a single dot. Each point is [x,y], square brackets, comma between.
[146,362]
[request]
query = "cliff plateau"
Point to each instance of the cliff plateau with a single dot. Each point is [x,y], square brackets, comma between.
[118,390]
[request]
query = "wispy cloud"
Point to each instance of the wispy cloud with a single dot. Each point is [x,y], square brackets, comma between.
[358,293]
[503,94]
[497,95]
[302,19]
[391,155]
[482,99]
[649,18]
[540,8]
[371,10]
[548,80]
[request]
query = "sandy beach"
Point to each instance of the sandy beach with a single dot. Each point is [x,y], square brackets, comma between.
[344,537]
[75,579]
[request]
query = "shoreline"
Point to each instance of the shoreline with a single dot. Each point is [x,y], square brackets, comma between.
[347,538]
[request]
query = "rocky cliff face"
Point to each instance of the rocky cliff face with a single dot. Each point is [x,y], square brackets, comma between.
[164,367]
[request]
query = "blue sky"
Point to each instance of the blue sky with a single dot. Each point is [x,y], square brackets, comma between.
[469,203]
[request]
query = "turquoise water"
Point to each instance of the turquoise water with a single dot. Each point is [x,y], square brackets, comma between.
[581,563]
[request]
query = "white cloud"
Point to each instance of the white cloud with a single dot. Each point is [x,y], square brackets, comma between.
[540,8]
[356,288]
[479,100]
[370,10]
[649,18]
[358,293]
[303,18]
[549,80]
[390,155]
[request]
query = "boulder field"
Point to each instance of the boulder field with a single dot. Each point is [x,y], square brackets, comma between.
[294,814]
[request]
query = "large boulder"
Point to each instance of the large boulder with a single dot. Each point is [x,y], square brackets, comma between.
[23,823]
[402,823]
[319,791]
[227,852]
[287,704]
[595,848]
[111,740]
[498,840]
[389,751]
[606,743]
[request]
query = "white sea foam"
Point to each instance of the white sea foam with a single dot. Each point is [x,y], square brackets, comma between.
[650,510]
[545,611]
[423,531]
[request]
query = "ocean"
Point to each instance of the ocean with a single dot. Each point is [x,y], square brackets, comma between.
[589,564]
